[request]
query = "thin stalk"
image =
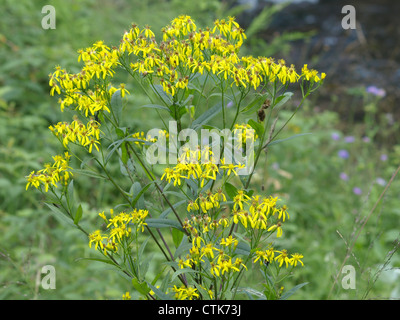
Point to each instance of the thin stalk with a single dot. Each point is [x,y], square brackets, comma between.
[149,174]
[350,248]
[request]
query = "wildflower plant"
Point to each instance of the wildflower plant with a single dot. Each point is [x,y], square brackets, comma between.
[210,226]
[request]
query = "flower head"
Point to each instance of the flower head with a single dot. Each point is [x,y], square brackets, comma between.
[344,154]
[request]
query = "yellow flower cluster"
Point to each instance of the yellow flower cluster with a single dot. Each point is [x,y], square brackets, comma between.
[206,202]
[185,293]
[186,50]
[258,211]
[78,132]
[148,138]
[99,62]
[268,255]
[118,229]
[126,296]
[199,165]
[209,223]
[247,132]
[59,171]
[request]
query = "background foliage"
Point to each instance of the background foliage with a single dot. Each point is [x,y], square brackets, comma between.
[329,194]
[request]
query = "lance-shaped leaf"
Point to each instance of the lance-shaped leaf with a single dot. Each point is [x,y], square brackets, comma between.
[206,116]
[164,223]
[116,104]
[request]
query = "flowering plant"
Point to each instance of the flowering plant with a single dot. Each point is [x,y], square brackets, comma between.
[209,225]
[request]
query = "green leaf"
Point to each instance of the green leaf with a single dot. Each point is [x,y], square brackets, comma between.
[231,190]
[159,293]
[204,294]
[281,100]
[59,215]
[116,104]
[258,127]
[291,137]
[158,276]
[142,287]
[167,211]
[177,237]
[249,192]
[256,103]
[164,223]
[70,192]
[143,246]
[117,143]
[250,292]
[155,106]
[89,173]
[160,91]
[138,193]
[120,133]
[243,248]
[98,260]
[124,153]
[78,215]
[292,291]
[128,168]
[206,116]
[180,271]
[184,247]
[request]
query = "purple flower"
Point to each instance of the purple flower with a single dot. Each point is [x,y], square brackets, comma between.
[366,139]
[357,191]
[349,139]
[275,166]
[376,91]
[381,181]
[230,104]
[335,136]
[344,176]
[384,157]
[344,154]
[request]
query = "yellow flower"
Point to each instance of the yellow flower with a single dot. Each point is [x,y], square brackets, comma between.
[228,266]
[177,178]
[52,174]
[215,269]
[296,258]
[205,204]
[237,200]
[97,238]
[92,142]
[283,213]
[185,293]
[168,174]
[185,263]
[123,90]
[260,255]
[207,250]
[126,296]
[192,206]
[276,227]
[229,241]
[148,33]
[283,258]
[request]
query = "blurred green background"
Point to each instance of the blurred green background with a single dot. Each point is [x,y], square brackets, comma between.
[330,179]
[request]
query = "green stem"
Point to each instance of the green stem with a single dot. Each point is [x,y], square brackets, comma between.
[151,177]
